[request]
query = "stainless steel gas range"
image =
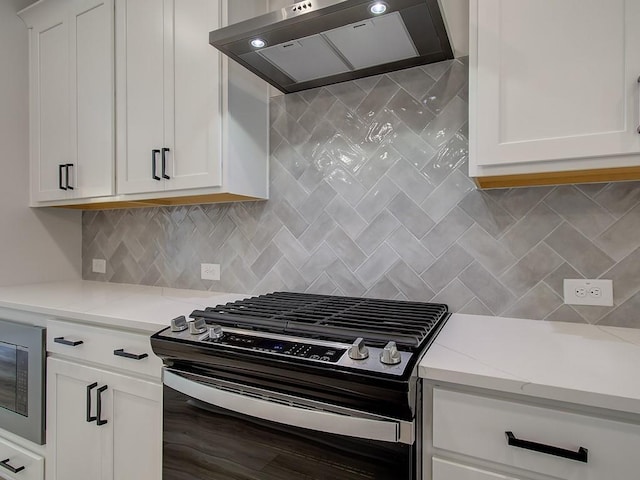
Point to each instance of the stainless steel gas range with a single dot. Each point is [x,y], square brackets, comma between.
[287,386]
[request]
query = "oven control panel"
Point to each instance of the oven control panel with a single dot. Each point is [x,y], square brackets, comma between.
[282,347]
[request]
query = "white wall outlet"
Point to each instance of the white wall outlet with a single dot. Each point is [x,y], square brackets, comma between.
[210,271]
[588,292]
[99,265]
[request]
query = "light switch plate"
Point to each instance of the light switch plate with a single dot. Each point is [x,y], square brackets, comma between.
[99,265]
[582,291]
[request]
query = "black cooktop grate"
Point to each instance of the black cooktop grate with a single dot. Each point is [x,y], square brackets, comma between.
[340,319]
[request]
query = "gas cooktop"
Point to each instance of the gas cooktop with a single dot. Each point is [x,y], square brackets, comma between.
[365,335]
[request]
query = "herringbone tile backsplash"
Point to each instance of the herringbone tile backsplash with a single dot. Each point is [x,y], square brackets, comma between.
[370,196]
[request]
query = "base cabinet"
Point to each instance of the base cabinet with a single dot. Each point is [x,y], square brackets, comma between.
[18,463]
[446,470]
[519,440]
[102,425]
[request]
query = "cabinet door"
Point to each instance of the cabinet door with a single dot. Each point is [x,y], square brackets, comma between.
[92,99]
[140,83]
[75,445]
[445,470]
[133,408]
[192,123]
[555,80]
[49,90]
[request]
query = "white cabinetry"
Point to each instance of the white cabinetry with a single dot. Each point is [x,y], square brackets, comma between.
[553,86]
[71,96]
[471,431]
[18,463]
[102,423]
[169,95]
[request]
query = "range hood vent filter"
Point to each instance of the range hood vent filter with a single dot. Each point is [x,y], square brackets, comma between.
[320,42]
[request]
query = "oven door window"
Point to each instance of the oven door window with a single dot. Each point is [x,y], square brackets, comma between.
[209,443]
[8,376]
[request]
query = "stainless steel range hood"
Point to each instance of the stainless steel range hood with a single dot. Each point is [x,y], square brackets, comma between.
[320,42]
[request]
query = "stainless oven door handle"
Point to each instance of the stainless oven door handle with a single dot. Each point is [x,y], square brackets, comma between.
[394,431]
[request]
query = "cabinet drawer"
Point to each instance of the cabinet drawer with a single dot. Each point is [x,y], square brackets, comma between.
[476,426]
[108,347]
[445,470]
[19,457]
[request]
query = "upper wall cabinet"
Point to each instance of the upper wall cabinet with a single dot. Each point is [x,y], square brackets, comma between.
[190,127]
[71,88]
[554,92]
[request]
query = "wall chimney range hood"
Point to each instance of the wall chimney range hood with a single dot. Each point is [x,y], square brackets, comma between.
[320,42]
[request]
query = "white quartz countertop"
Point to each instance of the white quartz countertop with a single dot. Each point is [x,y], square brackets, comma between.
[576,363]
[133,307]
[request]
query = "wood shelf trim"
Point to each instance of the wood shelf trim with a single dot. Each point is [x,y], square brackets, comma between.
[601,175]
[163,202]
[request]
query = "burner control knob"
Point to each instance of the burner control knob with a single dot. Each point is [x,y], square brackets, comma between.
[179,324]
[197,326]
[215,332]
[358,351]
[390,354]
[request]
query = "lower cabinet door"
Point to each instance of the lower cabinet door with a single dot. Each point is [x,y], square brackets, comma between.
[446,470]
[75,445]
[102,425]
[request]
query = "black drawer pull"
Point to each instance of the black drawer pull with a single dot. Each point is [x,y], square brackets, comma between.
[67,167]
[164,164]
[99,421]
[5,464]
[70,343]
[133,356]
[154,152]
[581,455]
[89,388]
[60,169]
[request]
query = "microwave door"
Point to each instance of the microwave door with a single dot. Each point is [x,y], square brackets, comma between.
[8,376]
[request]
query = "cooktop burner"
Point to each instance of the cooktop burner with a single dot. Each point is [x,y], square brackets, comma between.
[333,318]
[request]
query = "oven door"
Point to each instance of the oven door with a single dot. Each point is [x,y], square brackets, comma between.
[217,430]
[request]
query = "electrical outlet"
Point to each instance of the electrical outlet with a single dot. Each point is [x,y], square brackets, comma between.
[99,265]
[210,271]
[588,292]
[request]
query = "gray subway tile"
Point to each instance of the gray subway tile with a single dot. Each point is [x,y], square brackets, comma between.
[413,80]
[531,269]
[413,113]
[290,217]
[377,166]
[447,195]
[376,265]
[318,262]
[447,86]
[345,279]
[322,286]
[317,231]
[455,295]
[266,260]
[443,127]
[519,201]
[555,280]
[411,146]
[410,180]
[407,282]
[476,307]
[410,250]
[313,206]
[486,249]
[410,215]
[584,214]
[348,93]
[446,268]
[626,277]
[531,229]
[619,197]
[376,99]
[625,315]
[377,232]
[346,248]
[447,231]
[535,305]
[448,159]
[487,212]
[377,199]
[489,290]
[382,288]
[576,249]
[345,216]
[622,237]
[565,313]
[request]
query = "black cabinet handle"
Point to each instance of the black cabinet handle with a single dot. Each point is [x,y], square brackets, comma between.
[60,185]
[581,455]
[89,388]
[70,343]
[154,153]
[164,163]
[5,464]
[122,353]
[67,167]
[100,422]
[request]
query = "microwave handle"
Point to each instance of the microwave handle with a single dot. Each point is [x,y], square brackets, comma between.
[394,431]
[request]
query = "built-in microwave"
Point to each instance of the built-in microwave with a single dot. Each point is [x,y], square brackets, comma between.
[22,380]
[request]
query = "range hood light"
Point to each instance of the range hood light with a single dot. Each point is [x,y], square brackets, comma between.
[258,43]
[378,8]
